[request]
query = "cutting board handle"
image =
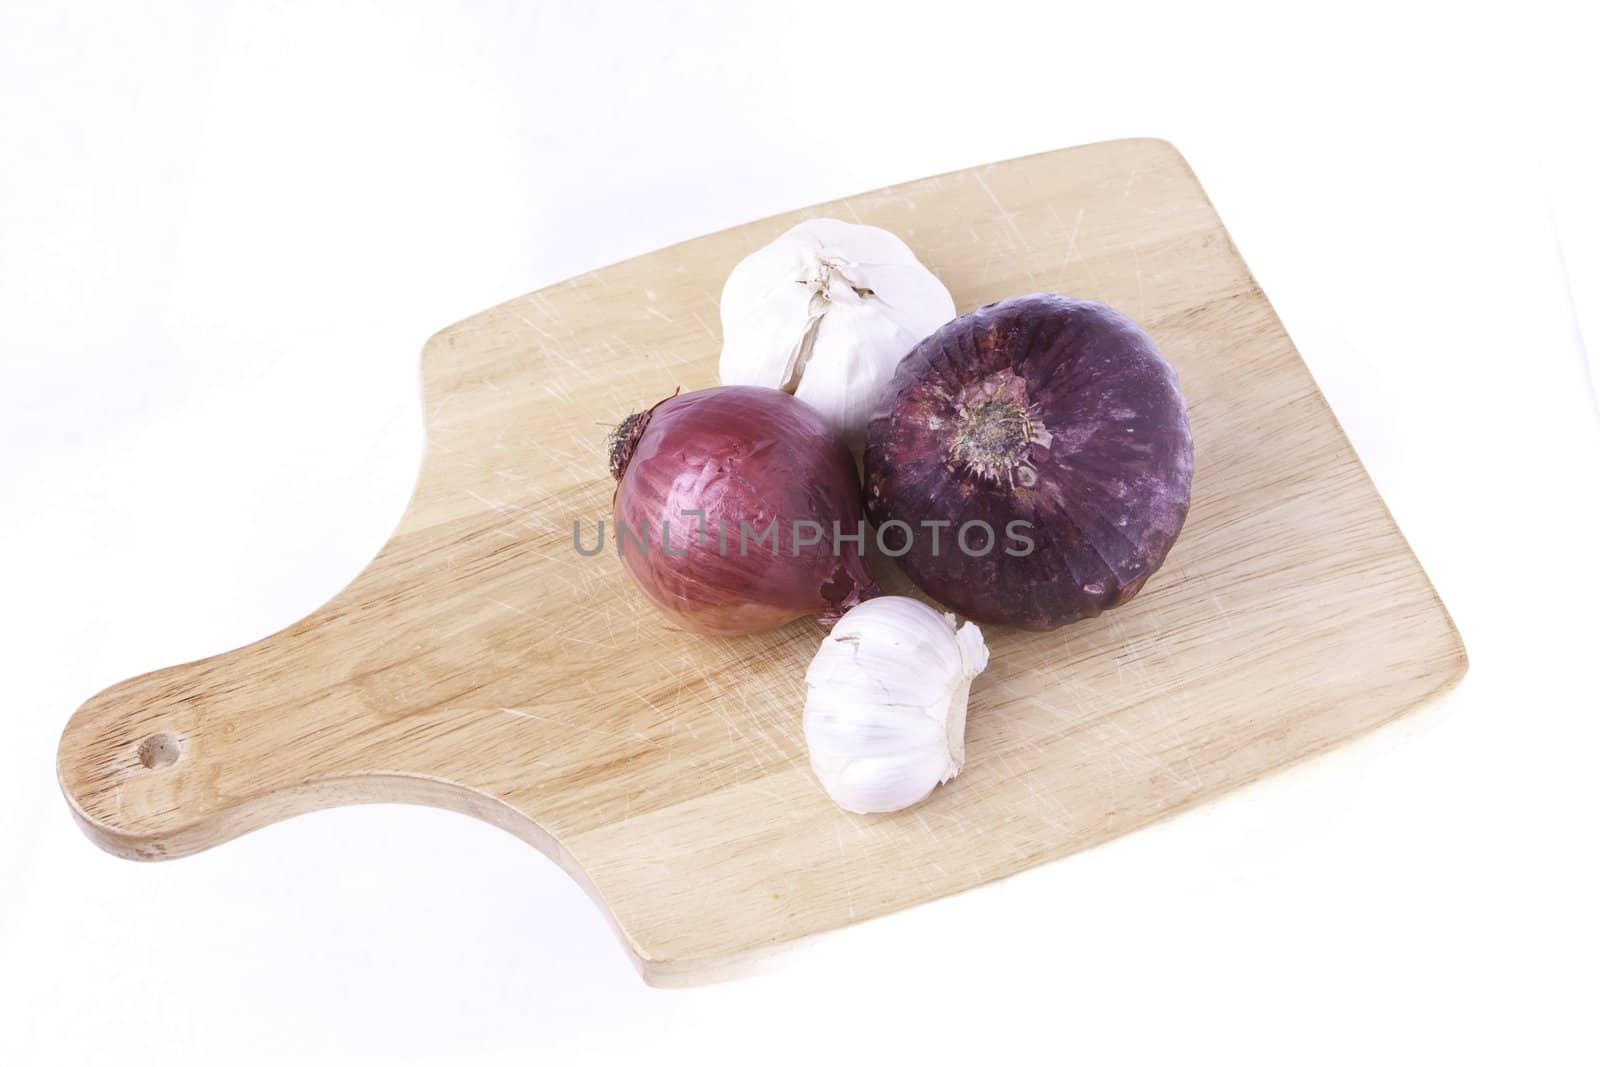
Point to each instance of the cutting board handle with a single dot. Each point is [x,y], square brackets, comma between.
[183,758]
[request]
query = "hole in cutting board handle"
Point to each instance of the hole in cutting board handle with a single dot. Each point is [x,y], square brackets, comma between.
[160,750]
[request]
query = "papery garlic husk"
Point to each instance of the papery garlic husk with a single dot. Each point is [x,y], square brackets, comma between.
[826,312]
[886,703]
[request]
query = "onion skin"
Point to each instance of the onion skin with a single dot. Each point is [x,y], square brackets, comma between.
[742,454]
[1045,409]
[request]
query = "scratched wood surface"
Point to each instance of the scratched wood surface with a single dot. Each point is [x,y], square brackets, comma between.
[480,664]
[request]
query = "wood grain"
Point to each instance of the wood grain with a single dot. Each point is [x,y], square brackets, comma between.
[480,664]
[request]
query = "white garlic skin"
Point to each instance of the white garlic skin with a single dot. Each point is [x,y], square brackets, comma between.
[886,703]
[826,312]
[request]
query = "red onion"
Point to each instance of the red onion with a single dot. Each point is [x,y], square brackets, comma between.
[774,486]
[1056,424]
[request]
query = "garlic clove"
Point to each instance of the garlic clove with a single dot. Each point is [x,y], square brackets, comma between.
[974,653]
[882,784]
[767,335]
[886,703]
[844,376]
[872,732]
[906,292]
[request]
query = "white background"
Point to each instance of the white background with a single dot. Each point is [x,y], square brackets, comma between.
[225,231]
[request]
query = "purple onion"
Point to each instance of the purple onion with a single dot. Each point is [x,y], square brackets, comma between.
[1040,410]
[702,477]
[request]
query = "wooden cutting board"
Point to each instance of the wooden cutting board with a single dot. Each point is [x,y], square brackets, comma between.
[480,664]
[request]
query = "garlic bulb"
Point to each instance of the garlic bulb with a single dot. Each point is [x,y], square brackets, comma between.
[886,703]
[826,312]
